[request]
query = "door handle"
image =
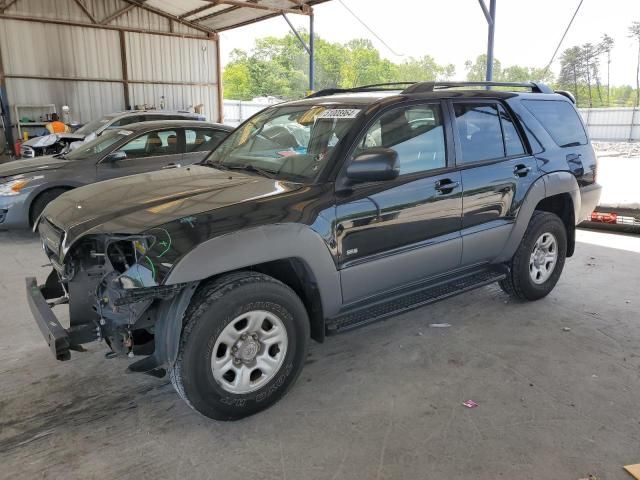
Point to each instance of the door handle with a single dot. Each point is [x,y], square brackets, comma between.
[521,170]
[446,185]
[171,165]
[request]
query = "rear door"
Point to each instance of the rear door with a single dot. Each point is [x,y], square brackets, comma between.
[147,152]
[199,142]
[497,171]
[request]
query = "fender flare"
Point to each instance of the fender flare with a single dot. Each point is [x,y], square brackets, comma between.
[546,186]
[260,245]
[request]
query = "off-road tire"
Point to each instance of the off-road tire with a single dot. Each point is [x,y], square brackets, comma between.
[518,283]
[41,201]
[212,308]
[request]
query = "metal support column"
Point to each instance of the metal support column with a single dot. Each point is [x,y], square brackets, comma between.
[310,48]
[312,60]
[490,15]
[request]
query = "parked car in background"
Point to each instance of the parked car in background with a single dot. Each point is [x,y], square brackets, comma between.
[61,142]
[27,186]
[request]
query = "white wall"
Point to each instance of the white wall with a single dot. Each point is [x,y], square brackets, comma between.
[612,124]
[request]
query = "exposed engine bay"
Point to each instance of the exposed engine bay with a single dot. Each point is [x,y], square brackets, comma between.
[112,285]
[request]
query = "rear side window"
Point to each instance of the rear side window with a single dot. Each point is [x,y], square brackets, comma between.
[203,139]
[560,120]
[512,143]
[479,131]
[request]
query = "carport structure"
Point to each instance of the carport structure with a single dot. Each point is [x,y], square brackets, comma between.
[101,56]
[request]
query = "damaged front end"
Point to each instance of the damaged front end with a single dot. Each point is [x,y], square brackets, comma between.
[113,287]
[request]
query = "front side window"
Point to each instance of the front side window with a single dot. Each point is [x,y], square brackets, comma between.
[293,142]
[95,147]
[416,133]
[153,144]
[202,139]
[560,120]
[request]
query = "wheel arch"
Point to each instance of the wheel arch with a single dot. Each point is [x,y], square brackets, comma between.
[294,254]
[39,193]
[556,192]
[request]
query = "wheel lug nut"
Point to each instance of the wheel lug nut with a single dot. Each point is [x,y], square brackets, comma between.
[255,336]
[237,361]
[234,349]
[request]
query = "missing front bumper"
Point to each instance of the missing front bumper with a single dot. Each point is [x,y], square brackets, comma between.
[54,333]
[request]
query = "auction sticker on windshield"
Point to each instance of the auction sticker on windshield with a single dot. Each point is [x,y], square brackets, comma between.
[340,113]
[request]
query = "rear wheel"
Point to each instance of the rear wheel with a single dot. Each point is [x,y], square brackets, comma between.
[243,345]
[41,201]
[537,264]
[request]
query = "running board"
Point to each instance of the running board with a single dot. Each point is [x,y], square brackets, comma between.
[418,296]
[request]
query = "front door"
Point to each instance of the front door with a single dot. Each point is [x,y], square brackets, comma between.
[393,233]
[150,151]
[497,172]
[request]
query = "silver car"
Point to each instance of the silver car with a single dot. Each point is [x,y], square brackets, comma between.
[38,146]
[27,186]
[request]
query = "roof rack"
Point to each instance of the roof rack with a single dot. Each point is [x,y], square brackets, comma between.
[364,88]
[422,87]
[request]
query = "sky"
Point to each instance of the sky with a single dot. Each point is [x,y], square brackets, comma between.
[453,31]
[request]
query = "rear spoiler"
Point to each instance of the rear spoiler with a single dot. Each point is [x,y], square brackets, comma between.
[567,94]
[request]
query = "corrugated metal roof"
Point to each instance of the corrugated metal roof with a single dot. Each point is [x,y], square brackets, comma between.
[193,17]
[226,14]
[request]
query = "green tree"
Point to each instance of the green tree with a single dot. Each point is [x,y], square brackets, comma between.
[634,32]
[477,70]
[606,45]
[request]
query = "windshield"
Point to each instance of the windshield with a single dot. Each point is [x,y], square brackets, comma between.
[93,126]
[290,142]
[97,146]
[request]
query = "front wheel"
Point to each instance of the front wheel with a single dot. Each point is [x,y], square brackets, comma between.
[243,345]
[538,262]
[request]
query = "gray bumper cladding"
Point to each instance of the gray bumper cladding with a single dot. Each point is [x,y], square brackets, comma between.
[54,333]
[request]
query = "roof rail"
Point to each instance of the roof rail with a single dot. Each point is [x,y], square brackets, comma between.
[422,87]
[364,88]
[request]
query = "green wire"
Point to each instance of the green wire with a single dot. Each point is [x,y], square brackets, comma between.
[153,268]
[168,236]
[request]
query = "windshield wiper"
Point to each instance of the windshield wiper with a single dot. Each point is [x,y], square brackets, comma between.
[250,168]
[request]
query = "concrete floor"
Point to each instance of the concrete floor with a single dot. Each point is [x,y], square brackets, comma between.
[380,402]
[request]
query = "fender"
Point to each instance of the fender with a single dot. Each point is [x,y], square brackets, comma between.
[259,245]
[546,186]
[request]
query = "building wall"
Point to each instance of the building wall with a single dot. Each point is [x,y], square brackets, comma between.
[82,67]
[613,124]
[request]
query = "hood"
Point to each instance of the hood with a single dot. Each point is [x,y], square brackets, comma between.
[31,165]
[136,203]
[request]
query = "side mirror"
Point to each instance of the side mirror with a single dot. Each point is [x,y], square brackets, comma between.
[116,156]
[374,165]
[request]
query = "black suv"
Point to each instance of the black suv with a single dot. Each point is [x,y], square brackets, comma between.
[314,217]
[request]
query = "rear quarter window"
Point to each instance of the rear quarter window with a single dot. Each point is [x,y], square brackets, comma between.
[560,120]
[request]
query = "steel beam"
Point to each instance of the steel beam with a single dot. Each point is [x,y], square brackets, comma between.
[109,80]
[490,15]
[7,5]
[125,70]
[164,14]
[117,14]
[104,27]
[86,11]
[303,10]
[312,60]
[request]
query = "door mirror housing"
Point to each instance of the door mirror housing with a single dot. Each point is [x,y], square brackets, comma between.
[374,165]
[116,156]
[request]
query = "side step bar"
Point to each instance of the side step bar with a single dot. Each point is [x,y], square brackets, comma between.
[396,303]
